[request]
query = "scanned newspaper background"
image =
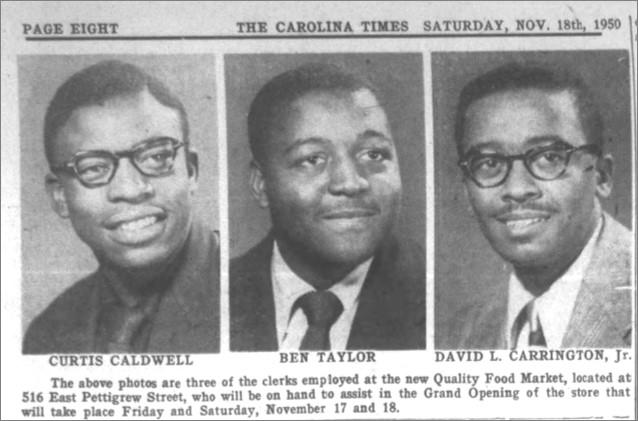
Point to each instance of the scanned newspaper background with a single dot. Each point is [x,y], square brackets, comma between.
[190,46]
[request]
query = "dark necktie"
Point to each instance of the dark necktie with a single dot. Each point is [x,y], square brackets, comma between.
[529,315]
[126,329]
[322,309]
[123,328]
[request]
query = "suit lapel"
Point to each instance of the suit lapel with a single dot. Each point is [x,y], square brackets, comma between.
[252,303]
[371,327]
[83,335]
[390,315]
[187,318]
[599,315]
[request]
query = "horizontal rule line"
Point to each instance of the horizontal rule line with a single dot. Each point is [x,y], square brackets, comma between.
[340,36]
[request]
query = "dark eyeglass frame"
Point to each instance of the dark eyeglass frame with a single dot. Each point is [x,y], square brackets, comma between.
[71,166]
[525,157]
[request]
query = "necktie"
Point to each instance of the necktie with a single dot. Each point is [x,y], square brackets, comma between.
[126,329]
[529,314]
[322,309]
[122,327]
[126,336]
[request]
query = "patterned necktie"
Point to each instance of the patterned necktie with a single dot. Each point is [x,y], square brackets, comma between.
[322,309]
[529,314]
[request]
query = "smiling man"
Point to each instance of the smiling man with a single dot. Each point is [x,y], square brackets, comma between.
[330,275]
[530,142]
[123,173]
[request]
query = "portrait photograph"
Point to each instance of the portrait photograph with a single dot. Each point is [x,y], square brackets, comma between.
[119,194]
[533,199]
[326,184]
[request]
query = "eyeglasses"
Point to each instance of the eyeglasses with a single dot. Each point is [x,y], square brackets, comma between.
[543,163]
[153,158]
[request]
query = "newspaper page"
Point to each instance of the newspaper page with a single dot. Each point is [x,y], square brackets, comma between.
[318,210]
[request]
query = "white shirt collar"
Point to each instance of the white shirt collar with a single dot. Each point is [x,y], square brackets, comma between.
[288,287]
[555,306]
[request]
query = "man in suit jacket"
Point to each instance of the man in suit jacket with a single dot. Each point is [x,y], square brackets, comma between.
[599,318]
[530,144]
[121,170]
[186,319]
[330,275]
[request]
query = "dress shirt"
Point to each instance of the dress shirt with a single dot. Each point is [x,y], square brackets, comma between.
[555,306]
[288,287]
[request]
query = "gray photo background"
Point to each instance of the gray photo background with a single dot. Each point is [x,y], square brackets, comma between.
[399,77]
[466,268]
[52,256]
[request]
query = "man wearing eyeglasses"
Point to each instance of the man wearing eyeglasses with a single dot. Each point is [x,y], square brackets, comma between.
[122,172]
[531,151]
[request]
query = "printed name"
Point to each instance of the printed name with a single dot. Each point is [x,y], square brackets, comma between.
[328,357]
[71,360]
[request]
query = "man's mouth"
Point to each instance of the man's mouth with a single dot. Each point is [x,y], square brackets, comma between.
[350,213]
[350,220]
[523,222]
[138,223]
[137,228]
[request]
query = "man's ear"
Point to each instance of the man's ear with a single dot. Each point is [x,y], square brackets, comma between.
[192,165]
[56,195]
[257,184]
[604,173]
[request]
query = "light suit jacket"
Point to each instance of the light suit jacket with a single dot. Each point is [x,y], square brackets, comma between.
[602,313]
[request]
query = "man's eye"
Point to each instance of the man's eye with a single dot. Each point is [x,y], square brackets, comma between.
[376,155]
[156,159]
[487,163]
[311,161]
[161,156]
[157,155]
[550,157]
[94,169]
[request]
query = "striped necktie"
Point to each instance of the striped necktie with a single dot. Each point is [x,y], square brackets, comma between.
[529,316]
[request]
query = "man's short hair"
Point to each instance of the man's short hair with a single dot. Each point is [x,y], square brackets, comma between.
[273,98]
[520,76]
[98,83]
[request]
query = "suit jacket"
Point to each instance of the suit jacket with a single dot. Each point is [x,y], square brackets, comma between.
[187,318]
[390,314]
[602,312]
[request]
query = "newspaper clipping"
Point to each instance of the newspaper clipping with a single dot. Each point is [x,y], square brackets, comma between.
[319,210]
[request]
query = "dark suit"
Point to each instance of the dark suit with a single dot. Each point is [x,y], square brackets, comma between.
[187,317]
[602,312]
[390,314]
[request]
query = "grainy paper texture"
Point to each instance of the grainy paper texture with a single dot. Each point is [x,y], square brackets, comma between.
[215,57]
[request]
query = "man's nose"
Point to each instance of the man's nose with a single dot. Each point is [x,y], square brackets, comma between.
[129,184]
[520,185]
[346,178]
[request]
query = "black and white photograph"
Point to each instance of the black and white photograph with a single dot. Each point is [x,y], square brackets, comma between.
[326,201]
[119,204]
[533,199]
[348,210]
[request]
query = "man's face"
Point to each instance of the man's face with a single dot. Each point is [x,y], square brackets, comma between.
[135,221]
[331,177]
[533,223]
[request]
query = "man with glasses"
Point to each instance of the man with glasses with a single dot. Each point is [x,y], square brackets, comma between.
[530,142]
[122,172]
